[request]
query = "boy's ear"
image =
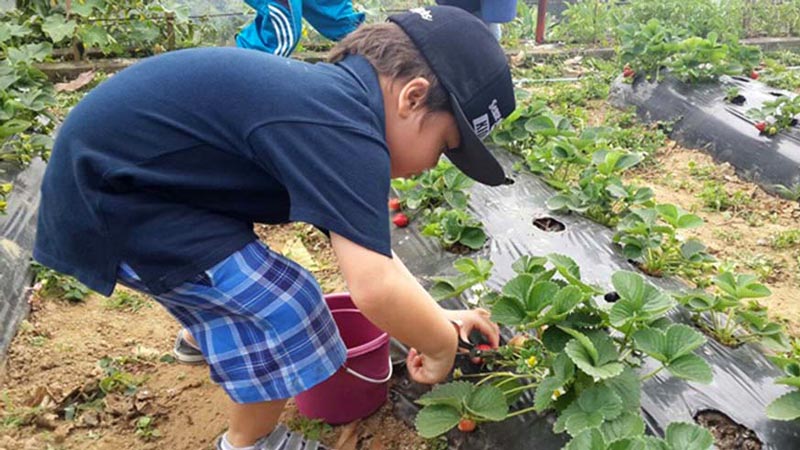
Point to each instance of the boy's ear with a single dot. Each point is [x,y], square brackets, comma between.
[413,96]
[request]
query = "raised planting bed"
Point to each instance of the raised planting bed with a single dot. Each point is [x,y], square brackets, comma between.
[743,378]
[17,231]
[706,116]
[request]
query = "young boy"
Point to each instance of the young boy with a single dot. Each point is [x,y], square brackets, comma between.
[158,175]
[279,23]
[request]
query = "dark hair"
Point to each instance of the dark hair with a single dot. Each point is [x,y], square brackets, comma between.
[390,51]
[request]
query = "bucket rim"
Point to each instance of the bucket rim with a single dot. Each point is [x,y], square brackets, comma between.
[369,346]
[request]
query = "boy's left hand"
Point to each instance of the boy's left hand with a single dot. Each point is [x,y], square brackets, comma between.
[479,319]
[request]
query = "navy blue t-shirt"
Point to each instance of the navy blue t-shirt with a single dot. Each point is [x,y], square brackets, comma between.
[167,164]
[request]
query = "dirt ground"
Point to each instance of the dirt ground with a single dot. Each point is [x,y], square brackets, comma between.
[748,235]
[54,358]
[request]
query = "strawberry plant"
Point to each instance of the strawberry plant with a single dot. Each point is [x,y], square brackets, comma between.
[789,193]
[455,226]
[650,237]
[444,184]
[787,407]
[646,47]
[600,194]
[447,405]
[53,284]
[471,272]
[705,59]
[722,313]
[579,354]
[780,113]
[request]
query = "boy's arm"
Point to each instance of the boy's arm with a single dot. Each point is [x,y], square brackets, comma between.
[389,296]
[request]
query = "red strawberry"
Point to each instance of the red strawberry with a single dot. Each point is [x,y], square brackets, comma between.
[761,126]
[394,204]
[400,220]
[753,74]
[480,348]
[627,72]
[466,425]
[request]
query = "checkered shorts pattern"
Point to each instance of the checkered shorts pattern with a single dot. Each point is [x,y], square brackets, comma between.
[261,323]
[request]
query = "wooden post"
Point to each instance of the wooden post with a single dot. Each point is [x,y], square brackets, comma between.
[540,21]
[170,31]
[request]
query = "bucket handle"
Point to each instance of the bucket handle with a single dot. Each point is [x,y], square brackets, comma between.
[372,380]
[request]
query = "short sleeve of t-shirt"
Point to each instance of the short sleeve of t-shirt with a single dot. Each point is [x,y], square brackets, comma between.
[337,178]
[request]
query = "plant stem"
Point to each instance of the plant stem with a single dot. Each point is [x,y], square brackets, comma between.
[651,374]
[521,412]
[520,388]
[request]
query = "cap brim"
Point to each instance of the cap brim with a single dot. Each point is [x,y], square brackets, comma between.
[472,157]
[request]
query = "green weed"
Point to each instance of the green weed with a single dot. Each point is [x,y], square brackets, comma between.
[786,239]
[127,301]
[312,429]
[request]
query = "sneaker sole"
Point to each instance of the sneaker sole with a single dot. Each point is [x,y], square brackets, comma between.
[188,359]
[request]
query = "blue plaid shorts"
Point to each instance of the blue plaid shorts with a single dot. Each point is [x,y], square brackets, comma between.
[261,323]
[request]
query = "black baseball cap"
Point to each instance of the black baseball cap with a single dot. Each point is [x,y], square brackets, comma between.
[473,69]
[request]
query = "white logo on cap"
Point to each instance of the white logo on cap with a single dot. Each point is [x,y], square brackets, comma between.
[481,126]
[495,111]
[425,14]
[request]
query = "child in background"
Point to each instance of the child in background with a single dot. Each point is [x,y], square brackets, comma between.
[279,23]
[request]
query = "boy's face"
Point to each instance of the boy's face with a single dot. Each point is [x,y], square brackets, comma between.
[415,136]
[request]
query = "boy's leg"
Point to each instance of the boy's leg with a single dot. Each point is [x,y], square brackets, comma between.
[264,329]
[249,422]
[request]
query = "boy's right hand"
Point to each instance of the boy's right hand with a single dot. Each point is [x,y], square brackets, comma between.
[429,369]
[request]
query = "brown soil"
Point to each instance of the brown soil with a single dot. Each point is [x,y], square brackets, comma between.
[728,435]
[54,358]
[742,236]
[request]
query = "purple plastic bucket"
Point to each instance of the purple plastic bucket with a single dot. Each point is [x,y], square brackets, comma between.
[360,387]
[498,11]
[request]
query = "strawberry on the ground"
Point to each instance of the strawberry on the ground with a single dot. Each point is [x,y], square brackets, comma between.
[400,220]
[627,72]
[466,425]
[394,204]
[761,126]
[480,348]
[772,131]
[753,74]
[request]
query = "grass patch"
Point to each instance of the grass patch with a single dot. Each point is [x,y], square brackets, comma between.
[786,239]
[127,301]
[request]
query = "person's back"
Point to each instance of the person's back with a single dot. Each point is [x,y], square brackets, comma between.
[197,137]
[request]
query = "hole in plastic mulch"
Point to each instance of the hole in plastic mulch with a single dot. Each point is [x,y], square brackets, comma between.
[611,297]
[548,224]
[728,435]
[738,100]
[775,94]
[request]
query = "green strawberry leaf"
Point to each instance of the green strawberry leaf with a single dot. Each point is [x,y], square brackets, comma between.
[588,440]
[435,420]
[453,394]
[627,425]
[681,340]
[508,311]
[543,397]
[685,436]
[473,237]
[786,407]
[488,402]
[691,367]
[628,387]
